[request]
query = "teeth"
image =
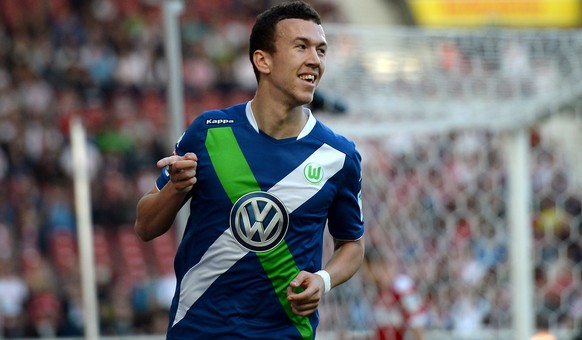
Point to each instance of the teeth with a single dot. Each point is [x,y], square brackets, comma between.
[309,77]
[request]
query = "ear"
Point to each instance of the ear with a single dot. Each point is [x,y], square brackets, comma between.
[262,61]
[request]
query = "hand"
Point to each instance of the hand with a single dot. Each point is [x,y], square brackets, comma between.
[181,169]
[306,302]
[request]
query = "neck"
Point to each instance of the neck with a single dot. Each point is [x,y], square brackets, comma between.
[277,119]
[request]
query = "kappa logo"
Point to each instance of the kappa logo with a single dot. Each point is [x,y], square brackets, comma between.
[219,121]
[259,221]
[313,173]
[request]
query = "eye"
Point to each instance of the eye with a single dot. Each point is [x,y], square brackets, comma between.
[321,51]
[302,46]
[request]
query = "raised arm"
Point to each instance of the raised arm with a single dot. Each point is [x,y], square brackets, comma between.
[157,209]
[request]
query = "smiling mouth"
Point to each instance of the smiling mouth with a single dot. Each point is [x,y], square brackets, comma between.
[308,78]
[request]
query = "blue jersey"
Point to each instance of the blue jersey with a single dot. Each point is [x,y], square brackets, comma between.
[257,216]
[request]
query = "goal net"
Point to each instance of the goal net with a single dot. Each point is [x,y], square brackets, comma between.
[432,112]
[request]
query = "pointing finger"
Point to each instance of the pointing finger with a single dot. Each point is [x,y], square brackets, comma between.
[167,161]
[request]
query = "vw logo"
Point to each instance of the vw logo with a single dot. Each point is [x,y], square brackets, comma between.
[259,221]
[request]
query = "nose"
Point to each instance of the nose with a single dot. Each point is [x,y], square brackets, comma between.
[313,58]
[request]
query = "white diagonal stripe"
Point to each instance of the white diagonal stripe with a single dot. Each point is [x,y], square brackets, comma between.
[219,257]
[293,191]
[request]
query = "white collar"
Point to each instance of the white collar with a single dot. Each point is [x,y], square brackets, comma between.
[304,132]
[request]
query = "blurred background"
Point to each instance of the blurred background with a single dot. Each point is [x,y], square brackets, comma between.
[436,94]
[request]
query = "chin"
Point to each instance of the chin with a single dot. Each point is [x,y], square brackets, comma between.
[305,100]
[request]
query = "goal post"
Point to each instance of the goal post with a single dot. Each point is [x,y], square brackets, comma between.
[84,229]
[519,219]
[455,179]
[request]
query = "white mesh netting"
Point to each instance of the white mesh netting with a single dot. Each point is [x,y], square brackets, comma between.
[477,78]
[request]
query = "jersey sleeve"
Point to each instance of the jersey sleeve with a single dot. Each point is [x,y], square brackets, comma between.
[346,220]
[188,142]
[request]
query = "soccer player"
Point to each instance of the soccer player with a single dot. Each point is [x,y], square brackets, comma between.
[262,179]
[399,312]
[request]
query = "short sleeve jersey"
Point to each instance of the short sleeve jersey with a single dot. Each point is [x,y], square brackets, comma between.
[258,212]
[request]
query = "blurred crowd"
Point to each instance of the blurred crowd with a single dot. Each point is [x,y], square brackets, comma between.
[436,209]
[436,204]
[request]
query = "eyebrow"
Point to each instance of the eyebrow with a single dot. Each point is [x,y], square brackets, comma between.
[307,40]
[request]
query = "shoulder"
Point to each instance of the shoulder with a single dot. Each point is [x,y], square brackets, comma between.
[233,115]
[193,138]
[337,141]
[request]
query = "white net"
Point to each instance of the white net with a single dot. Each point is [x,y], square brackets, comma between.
[430,112]
[399,78]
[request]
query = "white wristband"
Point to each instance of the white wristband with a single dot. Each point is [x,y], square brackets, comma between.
[326,279]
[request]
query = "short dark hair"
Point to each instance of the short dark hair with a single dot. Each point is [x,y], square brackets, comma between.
[263,32]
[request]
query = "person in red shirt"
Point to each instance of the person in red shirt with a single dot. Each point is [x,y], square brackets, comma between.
[398,309]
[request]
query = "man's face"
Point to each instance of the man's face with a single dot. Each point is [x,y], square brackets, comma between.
[299,60]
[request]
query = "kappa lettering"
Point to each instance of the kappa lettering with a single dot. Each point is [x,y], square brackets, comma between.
[219,121]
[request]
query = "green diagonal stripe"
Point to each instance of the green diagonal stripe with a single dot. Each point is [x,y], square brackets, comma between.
[237,179]
[230,164]
[280,272]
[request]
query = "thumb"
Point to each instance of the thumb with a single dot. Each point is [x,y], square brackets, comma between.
[298,280]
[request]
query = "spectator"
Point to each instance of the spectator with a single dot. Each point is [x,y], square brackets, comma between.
[13,295]
[398,309]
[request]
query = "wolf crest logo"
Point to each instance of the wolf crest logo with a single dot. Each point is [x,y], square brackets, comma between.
[313,173]
[259,221]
